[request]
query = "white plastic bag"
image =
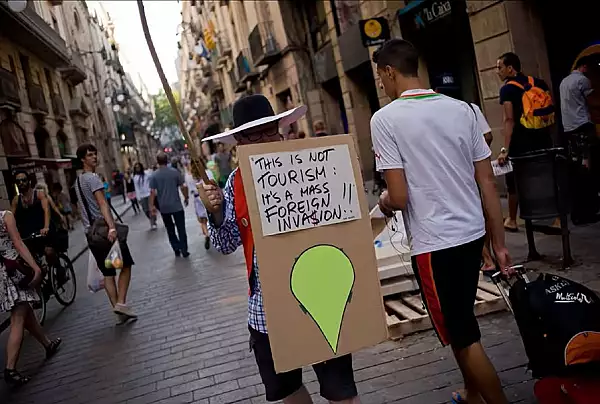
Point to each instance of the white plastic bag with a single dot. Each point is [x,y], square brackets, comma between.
[114,259]
[95,279]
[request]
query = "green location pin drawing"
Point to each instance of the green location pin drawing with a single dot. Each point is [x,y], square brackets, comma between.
[322,279]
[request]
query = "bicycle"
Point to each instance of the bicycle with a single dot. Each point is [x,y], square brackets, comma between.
[56,281]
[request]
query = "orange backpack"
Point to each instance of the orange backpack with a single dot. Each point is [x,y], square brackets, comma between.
[538,109]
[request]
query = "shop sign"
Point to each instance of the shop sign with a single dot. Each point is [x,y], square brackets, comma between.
[429,13]
[374,31]
[29,167]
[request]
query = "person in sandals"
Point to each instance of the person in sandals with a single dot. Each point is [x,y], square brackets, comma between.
[19,276]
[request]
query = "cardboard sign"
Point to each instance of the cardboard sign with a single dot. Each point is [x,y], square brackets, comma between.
[306,188]
[318,271]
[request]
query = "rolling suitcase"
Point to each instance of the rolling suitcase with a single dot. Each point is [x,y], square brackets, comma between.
[559,323]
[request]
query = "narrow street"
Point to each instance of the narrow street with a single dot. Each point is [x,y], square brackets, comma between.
[190,343]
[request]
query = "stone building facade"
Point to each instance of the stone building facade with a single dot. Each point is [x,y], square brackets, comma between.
[311,53]
[58,65]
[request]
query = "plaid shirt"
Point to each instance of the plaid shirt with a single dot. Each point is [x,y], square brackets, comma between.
[226,239]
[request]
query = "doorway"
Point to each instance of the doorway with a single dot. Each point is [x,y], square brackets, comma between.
[578,32]
[365,102]
[334,107]
[42,141]
[441,32]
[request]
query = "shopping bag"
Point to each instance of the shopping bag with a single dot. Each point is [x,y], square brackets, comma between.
[114,259]
[95,279]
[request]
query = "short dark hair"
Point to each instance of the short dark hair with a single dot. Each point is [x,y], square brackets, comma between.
[584,61]
[83,150]
[162,158]
[399,54]
[511,59]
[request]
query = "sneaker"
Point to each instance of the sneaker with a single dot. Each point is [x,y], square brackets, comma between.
[177,253]
[121,319]
[124,311]
[206,242]
[185,254]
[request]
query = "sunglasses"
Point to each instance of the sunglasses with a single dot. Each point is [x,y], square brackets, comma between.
[21,181]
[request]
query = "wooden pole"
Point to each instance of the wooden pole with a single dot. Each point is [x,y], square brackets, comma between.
[197,163]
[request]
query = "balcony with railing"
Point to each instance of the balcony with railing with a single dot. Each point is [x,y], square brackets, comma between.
[245,69]
[37,100]
[9,90]
[29,30]
[58,107]
[74,73]
[263,45]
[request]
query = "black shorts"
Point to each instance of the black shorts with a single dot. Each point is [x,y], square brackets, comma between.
[100,253]
[336,376]
[448,280]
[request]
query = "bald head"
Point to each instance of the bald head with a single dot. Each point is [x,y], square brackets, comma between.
[162,159]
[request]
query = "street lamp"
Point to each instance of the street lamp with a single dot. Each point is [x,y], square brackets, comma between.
[17,5]
[116,108]
[108,100]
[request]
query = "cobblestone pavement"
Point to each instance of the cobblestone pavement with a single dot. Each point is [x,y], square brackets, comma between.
[190,343]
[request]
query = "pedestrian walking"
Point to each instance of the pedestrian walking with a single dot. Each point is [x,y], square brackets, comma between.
[223,160]
[228,231]
[131,195]
[141,182]
[580,135]
[107,189]
[199,207]
[64,204]
[165,184]
[433,156]
[19,276]
[97,218]
[520,135]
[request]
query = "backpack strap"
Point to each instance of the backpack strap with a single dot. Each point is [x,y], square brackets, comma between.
[84,202]
[515,83]
[86,207]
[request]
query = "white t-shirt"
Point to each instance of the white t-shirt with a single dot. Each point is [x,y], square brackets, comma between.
[484,126]
[142,184]
[436,140]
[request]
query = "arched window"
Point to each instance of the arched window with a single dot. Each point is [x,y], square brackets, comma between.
[76,19]
[63,143]
[42,141]
[13,138]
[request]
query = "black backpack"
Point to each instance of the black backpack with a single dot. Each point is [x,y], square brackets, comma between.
[559,322]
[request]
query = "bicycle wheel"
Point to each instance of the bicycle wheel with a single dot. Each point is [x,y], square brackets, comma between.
[63,280]
[39,307]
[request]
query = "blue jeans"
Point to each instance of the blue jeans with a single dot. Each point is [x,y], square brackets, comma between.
[178,241]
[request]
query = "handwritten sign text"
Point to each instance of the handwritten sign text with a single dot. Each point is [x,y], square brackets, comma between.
[304,189]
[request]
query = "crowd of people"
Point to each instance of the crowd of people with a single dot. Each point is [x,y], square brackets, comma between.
[433,153]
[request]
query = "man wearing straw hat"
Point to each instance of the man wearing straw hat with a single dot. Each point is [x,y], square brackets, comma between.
[229,227]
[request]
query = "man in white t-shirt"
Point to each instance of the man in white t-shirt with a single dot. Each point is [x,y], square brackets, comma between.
[433,156]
